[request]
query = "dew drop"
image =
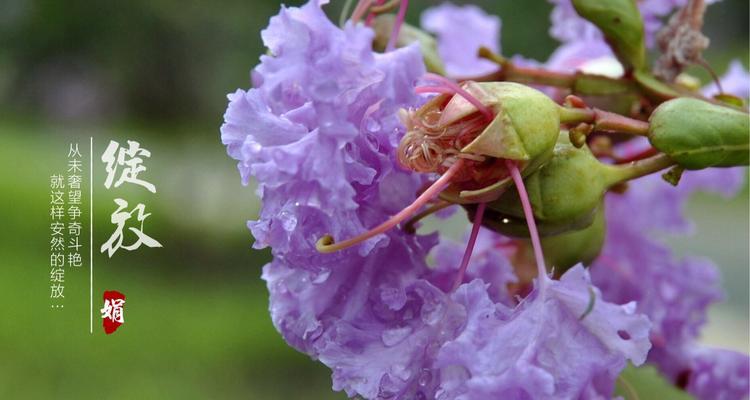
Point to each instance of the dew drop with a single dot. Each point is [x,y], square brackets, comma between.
[425,377]
[321,276]
[288,221]
[372,125]
[432,314]
[392,337]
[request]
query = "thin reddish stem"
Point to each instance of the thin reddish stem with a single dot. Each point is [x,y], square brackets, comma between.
[397,25]
[371,15]
[637,156]
[360,9]
[470,245]
[486,111]
[529,214]
[326,244]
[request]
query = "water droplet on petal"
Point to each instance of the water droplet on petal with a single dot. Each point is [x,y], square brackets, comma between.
[392,337]
[372,125]
[432,313]
[321,276]
[425,377]
[288,221]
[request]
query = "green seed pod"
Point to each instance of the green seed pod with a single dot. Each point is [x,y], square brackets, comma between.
[408,34]
[622,25]
[697,134]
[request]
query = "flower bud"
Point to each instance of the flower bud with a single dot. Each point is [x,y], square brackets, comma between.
[561,251]
[524,128]
[564,193]
[622,25]
[697,134]
[581,246]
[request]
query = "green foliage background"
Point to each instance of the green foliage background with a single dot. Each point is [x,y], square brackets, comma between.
[197,324]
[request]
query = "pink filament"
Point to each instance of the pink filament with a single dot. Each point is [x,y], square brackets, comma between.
[371,16]
[529,214]
[407,212]
[360,9]
[433,89]
[445,82]
[470,245]
[397,25]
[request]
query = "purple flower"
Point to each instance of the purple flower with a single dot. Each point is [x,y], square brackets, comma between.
[318,133]
[487,263]
[591,56]
[568,26]
[633,266]
[719,374]
[460,32]
[552,345]
[736,81]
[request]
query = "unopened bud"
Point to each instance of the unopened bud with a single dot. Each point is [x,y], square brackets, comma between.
[697,134]
[622,25]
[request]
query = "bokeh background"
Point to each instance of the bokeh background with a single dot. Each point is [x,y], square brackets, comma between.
[197,325]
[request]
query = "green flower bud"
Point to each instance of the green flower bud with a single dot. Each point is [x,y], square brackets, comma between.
[561,251]
[581,246]
[525,127]
[408,34]
[697,134]
[564,193]
[622,25]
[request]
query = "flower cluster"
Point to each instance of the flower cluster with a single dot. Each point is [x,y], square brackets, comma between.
[318,132]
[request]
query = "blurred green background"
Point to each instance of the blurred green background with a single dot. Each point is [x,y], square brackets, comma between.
[197,325]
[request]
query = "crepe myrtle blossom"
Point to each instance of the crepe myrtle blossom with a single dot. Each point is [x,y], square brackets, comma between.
[459,47]
[322,133]
[675,293]
[318,132]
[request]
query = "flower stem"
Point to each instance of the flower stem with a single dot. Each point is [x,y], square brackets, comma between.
[578,82]
[533,232]
[603,120]
[397,25]
[410,227]
[626,172]
[326,244]
[360,9]
[470,246]
[345,13]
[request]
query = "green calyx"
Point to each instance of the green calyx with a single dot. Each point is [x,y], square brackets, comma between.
[697,134]
[622,25]
[561,251]
[566,191]
[581,246]
[525,129]
[383,26]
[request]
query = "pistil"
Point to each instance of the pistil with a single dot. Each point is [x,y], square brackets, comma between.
[326,244]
